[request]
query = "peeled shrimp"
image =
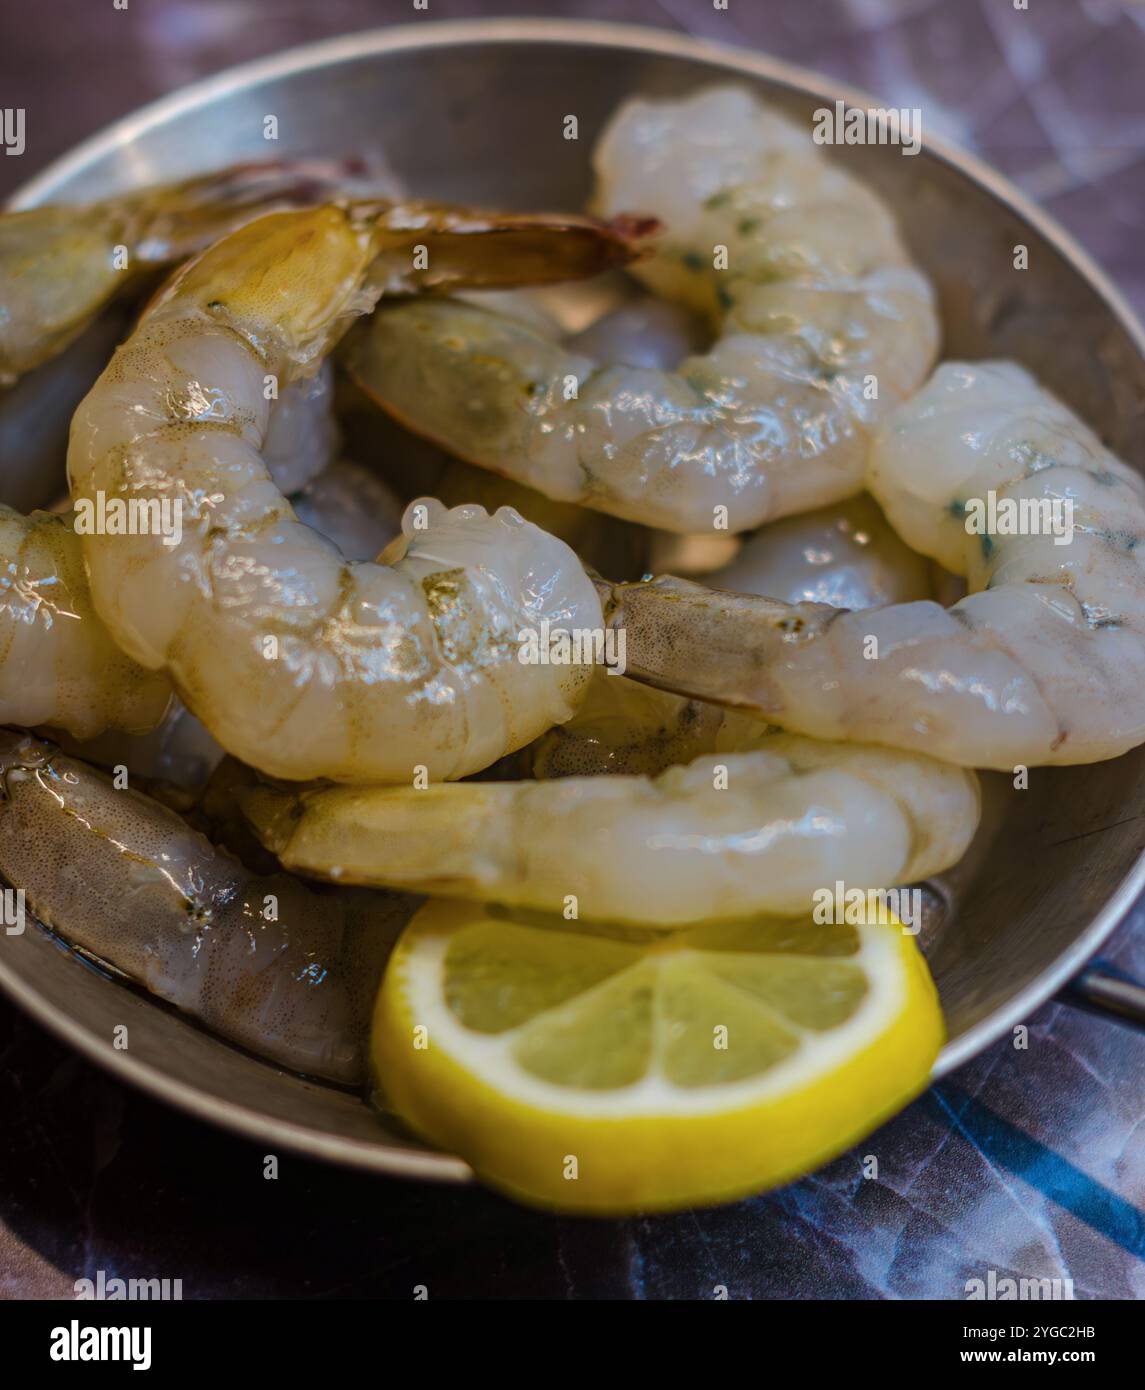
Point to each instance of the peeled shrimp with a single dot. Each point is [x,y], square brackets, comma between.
[1042,663]
[821,325]
[301,433]
[846,555]
[173,760]
[351,506]
[286,972]
[60,265]
[603,543]
[299,662]
[60,669]
[742,832]
[58,665]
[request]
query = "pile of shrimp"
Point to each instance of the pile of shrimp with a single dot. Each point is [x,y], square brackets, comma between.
[293,629]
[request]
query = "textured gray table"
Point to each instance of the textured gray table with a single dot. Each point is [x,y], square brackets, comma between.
[1037,1169]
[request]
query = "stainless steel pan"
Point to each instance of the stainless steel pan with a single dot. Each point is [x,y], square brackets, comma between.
[473,111]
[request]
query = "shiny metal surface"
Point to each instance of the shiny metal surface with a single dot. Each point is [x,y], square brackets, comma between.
[473,111]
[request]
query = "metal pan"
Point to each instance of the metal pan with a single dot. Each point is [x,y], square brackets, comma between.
[474,111]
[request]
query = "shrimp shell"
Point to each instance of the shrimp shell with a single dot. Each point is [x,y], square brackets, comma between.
[265,962]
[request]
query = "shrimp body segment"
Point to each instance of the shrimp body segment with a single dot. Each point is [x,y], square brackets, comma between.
[821,325]
[1042,663]
[725,836]
[300,662]
[286,972]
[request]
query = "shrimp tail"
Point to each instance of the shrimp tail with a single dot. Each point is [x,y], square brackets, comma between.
[170,222]
[709,644]
[473,249]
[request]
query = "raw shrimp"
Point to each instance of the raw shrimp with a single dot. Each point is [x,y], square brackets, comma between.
[603,543]
[58,656]
[728,836]
[1042,663]
[351,506]
[36,413]
[347,503]
[59,667]
[58,664]
[300,662]
[846,555]
[60,265]
[821,325]
[644,331]
[301,433]
[286,972]
[173,760]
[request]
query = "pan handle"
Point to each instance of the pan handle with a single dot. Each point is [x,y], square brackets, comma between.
[1099,991]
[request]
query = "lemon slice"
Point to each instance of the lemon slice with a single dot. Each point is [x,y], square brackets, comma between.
[611,1070]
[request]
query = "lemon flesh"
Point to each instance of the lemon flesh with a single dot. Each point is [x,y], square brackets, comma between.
[612,1070]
